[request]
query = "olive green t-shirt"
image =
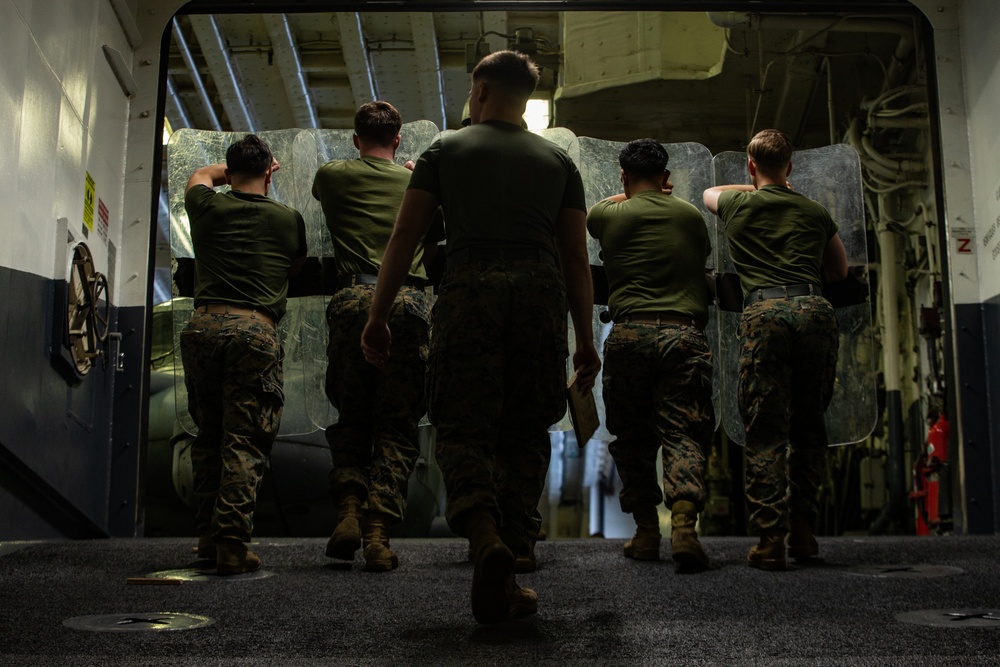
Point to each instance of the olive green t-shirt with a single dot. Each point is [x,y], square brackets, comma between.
[244,245]
[499,185]
[654,247]
[360,200]
[776,236]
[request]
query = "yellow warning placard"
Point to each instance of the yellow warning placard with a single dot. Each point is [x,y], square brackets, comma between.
[88,203]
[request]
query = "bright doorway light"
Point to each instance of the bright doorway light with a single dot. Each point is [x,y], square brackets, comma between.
[537,113]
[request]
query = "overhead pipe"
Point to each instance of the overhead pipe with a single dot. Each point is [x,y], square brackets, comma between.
[894,165]
[182,119]
[877,163]
[286,54]
[753,21]
[894,93]
[199,85]
[896,507]
[899,123]
[767,22]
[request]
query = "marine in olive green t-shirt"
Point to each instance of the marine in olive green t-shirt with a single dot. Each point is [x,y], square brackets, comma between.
[244,246]
[654,247]
[360,199]
[510,198]
[776,236]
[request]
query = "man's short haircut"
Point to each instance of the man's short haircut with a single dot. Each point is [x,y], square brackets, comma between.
[770,150]
[249,156]
[510,71]
[643,158]
[377,123]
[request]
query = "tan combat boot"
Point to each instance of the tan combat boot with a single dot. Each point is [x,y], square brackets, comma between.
[684,545]
[234,557]
[769,553]
[645,544]
[494,564]
[206,547]
[525,563]
[523,601]
[378,556]
[346,537]
[802,545]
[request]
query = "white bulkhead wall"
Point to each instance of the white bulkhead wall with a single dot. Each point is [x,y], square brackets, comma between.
[981,59]
[62,115]
[152,18]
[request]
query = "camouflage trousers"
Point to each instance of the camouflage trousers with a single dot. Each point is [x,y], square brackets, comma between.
[233,375]
[788,360]
[658,395]
[496,382]
[374,442]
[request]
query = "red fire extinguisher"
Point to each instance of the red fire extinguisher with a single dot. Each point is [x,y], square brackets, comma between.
[926,482]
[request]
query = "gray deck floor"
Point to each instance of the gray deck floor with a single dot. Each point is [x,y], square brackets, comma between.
[596,608]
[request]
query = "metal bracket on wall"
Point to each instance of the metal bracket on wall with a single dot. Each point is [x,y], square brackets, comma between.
[114,354]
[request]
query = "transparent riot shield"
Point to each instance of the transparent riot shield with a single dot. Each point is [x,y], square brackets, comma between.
[188,150]
[690,165]
[312,149]
[566,140]
[831,176]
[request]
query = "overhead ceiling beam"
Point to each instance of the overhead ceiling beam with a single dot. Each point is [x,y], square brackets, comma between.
[802,77]
[429,67]
[495,22]
[324,62]
[352,43]
[199,84]
[286,55]
[343,121]
[225,73]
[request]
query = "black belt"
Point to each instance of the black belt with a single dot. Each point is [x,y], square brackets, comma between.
[485,254]
[660,319]
[352,279]
[782,292]
[230,309]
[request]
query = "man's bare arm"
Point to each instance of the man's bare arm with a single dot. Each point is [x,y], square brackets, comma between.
[211,176]
[415,216]
[711,196]
[834,259]
[571,242]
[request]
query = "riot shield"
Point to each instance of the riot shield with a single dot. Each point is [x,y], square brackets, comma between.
[831,176]
[566,140]
[690,165]
[188,150]
[312,149]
